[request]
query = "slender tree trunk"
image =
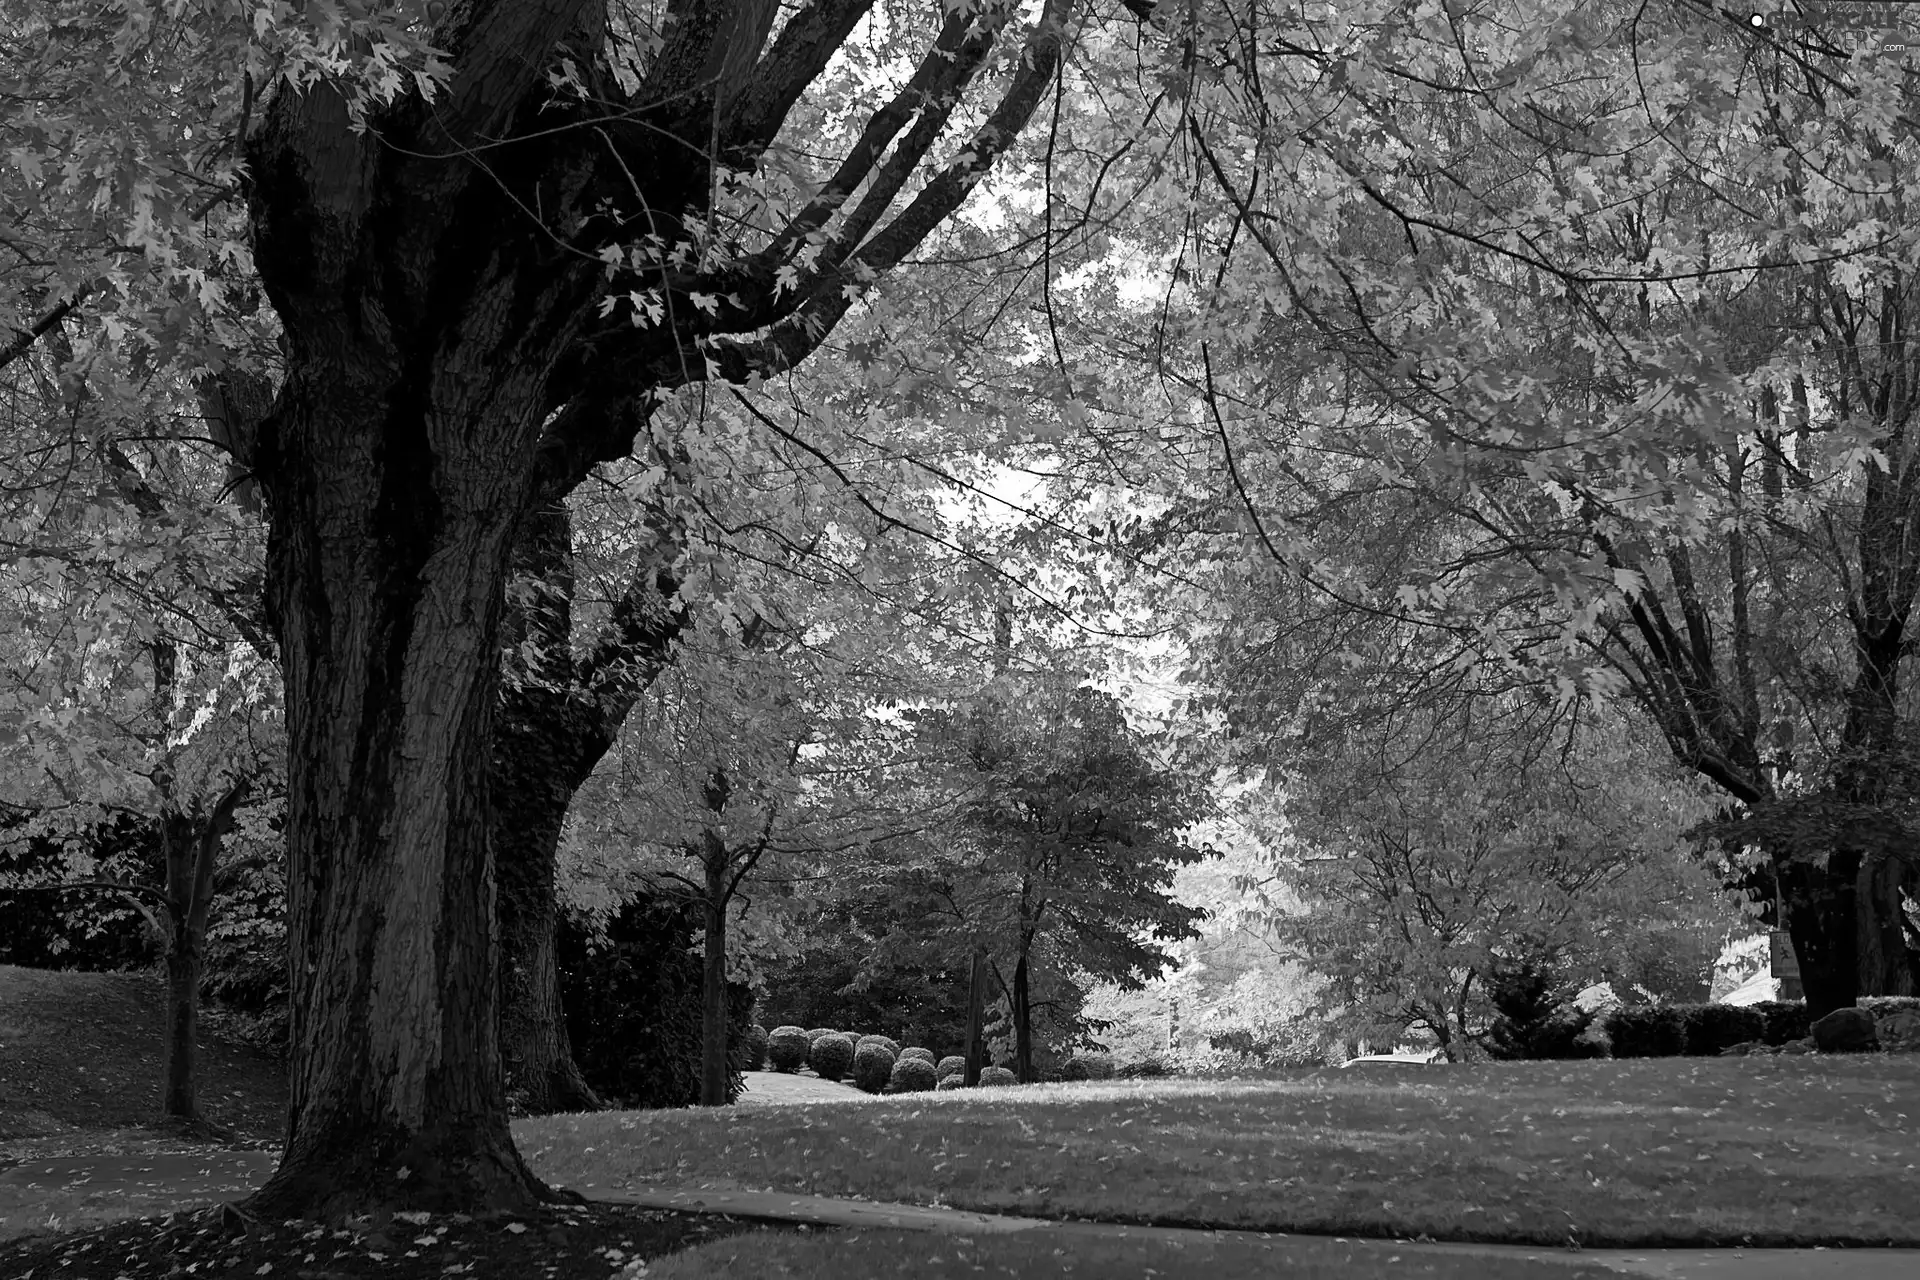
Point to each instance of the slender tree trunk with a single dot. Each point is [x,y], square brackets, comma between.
[976,1016]
[185,959]
[1022,1021]
[713,984]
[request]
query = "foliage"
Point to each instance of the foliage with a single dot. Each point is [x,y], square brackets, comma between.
[1655,1031]
[892,1046]
[1709,1028]
[787,1048]
[1533,1019]
[752,1049]
[952,1064]
[1784,1020]
[631,994]
[953,1080]
[915,1051]
[1150,1067]
[831,1056]
[911,1075]
[825,980]
[997,1076]
[872,1066]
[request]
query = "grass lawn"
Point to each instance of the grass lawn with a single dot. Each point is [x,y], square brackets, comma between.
[878,1255]
[1678,1151]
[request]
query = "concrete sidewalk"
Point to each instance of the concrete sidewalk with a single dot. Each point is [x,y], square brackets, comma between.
[205,1176]
[1668,1264]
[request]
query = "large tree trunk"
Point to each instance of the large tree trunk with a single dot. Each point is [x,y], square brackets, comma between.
[713,982]
[437,270]
[1822,919]
[976,1050]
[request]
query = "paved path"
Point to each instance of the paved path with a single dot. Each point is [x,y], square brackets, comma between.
[211,1175]
[1669,1264]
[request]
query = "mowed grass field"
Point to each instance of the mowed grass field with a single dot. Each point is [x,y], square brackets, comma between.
[1677,1151]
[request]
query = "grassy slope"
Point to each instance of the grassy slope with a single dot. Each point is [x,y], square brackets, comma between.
[81,1056]
[1676,1151]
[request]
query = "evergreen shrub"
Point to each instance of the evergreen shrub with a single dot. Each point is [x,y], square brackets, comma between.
[892,1045]
[872,1066]
[910,1075]
[750,1050]
[1151,1067]
[955,1081]
[951,1065]
[831,1056]
[925,1055]
[787,1048]
[995,1076]
[1652,1031]
[1074,1069]
[632,1002]
[817,1032]
[1099,1066]
[1531,1022]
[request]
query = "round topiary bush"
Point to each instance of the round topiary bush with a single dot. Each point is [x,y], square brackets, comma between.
[1074,1069]
[872,1066]
[817,1032]
[951,1082]
[831,1056]
[892,1045]
[1099,1066]
[925,1055]
[997,1076]
[910,1075]
[951,1065]
[787,1048]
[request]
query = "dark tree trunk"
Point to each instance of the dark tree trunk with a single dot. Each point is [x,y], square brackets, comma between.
[190,846]
[185,959]
[976,1016]
[713,984]
[1822,919]
[1022,1022]
[558,717]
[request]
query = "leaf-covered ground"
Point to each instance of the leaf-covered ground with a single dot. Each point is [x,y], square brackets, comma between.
[81,1057]
[1764,1151]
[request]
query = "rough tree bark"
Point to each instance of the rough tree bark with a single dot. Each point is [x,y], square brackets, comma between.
[448,368]
[190,844]
[713,981]
[558,717]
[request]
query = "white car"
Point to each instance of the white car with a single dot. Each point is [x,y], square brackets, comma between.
[1427,1059]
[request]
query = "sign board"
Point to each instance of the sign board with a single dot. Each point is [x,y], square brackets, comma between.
[1786,965]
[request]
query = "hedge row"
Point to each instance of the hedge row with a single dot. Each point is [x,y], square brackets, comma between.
[1704,1030]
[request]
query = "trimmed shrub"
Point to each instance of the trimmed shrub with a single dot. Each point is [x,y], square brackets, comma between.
[951,1065]
[1655,1031]
[787,1048]
[1150,1067]
[817,1032]
[831,1056]
[750,1050]
[909,1075]
[996,1076]
[1713,1027]
[1099,1066]
[892,1045]
[1074,1069]
[872,1066]
[951,1082]
[1784,1021]
[925,1055]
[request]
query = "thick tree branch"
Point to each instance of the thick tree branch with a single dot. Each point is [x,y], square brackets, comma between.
[25,338]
